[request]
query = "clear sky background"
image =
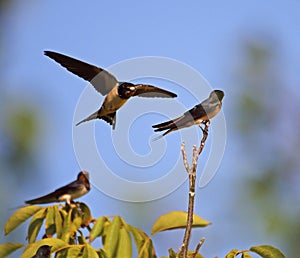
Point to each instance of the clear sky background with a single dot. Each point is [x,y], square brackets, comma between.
[208,36]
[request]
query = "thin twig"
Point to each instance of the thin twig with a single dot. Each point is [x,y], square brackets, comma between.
[204,137]
[192,182]
[186,164]
[198,247]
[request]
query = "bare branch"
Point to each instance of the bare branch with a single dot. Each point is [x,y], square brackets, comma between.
[192,182]
[198,247]
[186,164]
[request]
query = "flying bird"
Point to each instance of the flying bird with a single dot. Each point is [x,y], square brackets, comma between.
[117,93]
[43,252]
[67,193]
[204,111]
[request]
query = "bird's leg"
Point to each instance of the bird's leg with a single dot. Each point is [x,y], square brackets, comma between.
[71,204]
[204,123]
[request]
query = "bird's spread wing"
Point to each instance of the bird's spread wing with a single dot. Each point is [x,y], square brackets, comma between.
[102,80]
[149,91]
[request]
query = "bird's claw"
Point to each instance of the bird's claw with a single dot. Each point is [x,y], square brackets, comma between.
[204,130]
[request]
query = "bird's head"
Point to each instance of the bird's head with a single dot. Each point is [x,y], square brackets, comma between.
[126,90]
[217,94]
[83,176]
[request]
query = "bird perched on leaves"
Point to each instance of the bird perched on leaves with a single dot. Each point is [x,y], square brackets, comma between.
[204,111]
[43,252]
[67,193]
[117,93]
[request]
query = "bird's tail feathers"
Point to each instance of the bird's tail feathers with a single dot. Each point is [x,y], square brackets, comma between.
[163,125]
[165,128]
[42,200]
[91,117]
[110,118]
[165,133]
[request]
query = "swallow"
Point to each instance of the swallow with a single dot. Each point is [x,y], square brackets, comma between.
[67,193]
[117,93]
[200,113]
[43,252]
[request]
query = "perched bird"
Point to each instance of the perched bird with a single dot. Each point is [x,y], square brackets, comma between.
[117,93]
[43,252]
[204,111]
[67,193]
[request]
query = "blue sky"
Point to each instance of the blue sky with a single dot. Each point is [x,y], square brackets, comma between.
[205,36]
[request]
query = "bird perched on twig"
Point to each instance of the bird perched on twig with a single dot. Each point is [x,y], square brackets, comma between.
[204,111]
[67,193]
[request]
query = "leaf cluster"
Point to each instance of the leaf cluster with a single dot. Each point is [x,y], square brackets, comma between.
[265,251]
[73,232]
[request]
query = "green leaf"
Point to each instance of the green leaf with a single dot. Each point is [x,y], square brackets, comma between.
[172,253]
[50,222]
[142,242]
[175,220]
[58,222]
[76,223]
[90,252]
[69,251]
[191,254]
[19,217]
[267,251]
[63,213]
[139,237]
[246,255]
[66,233]
[232,253]
[56,244]
[150,249]
[35,225]
[112,238]
[125,244]
[8,248]
[101,253]
[71,224]
[97,228]
[81,239]
[86,214]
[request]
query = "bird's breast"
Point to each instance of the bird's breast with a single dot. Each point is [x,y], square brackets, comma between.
[79,193]
[214,112]
[112,102]
[74,195]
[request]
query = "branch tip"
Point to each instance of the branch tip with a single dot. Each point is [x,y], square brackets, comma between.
[192,182]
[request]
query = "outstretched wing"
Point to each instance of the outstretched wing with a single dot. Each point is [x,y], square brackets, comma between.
[102,80]
[149,91]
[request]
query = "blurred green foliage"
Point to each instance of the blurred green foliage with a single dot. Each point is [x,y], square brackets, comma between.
[20,129]
[264,113]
